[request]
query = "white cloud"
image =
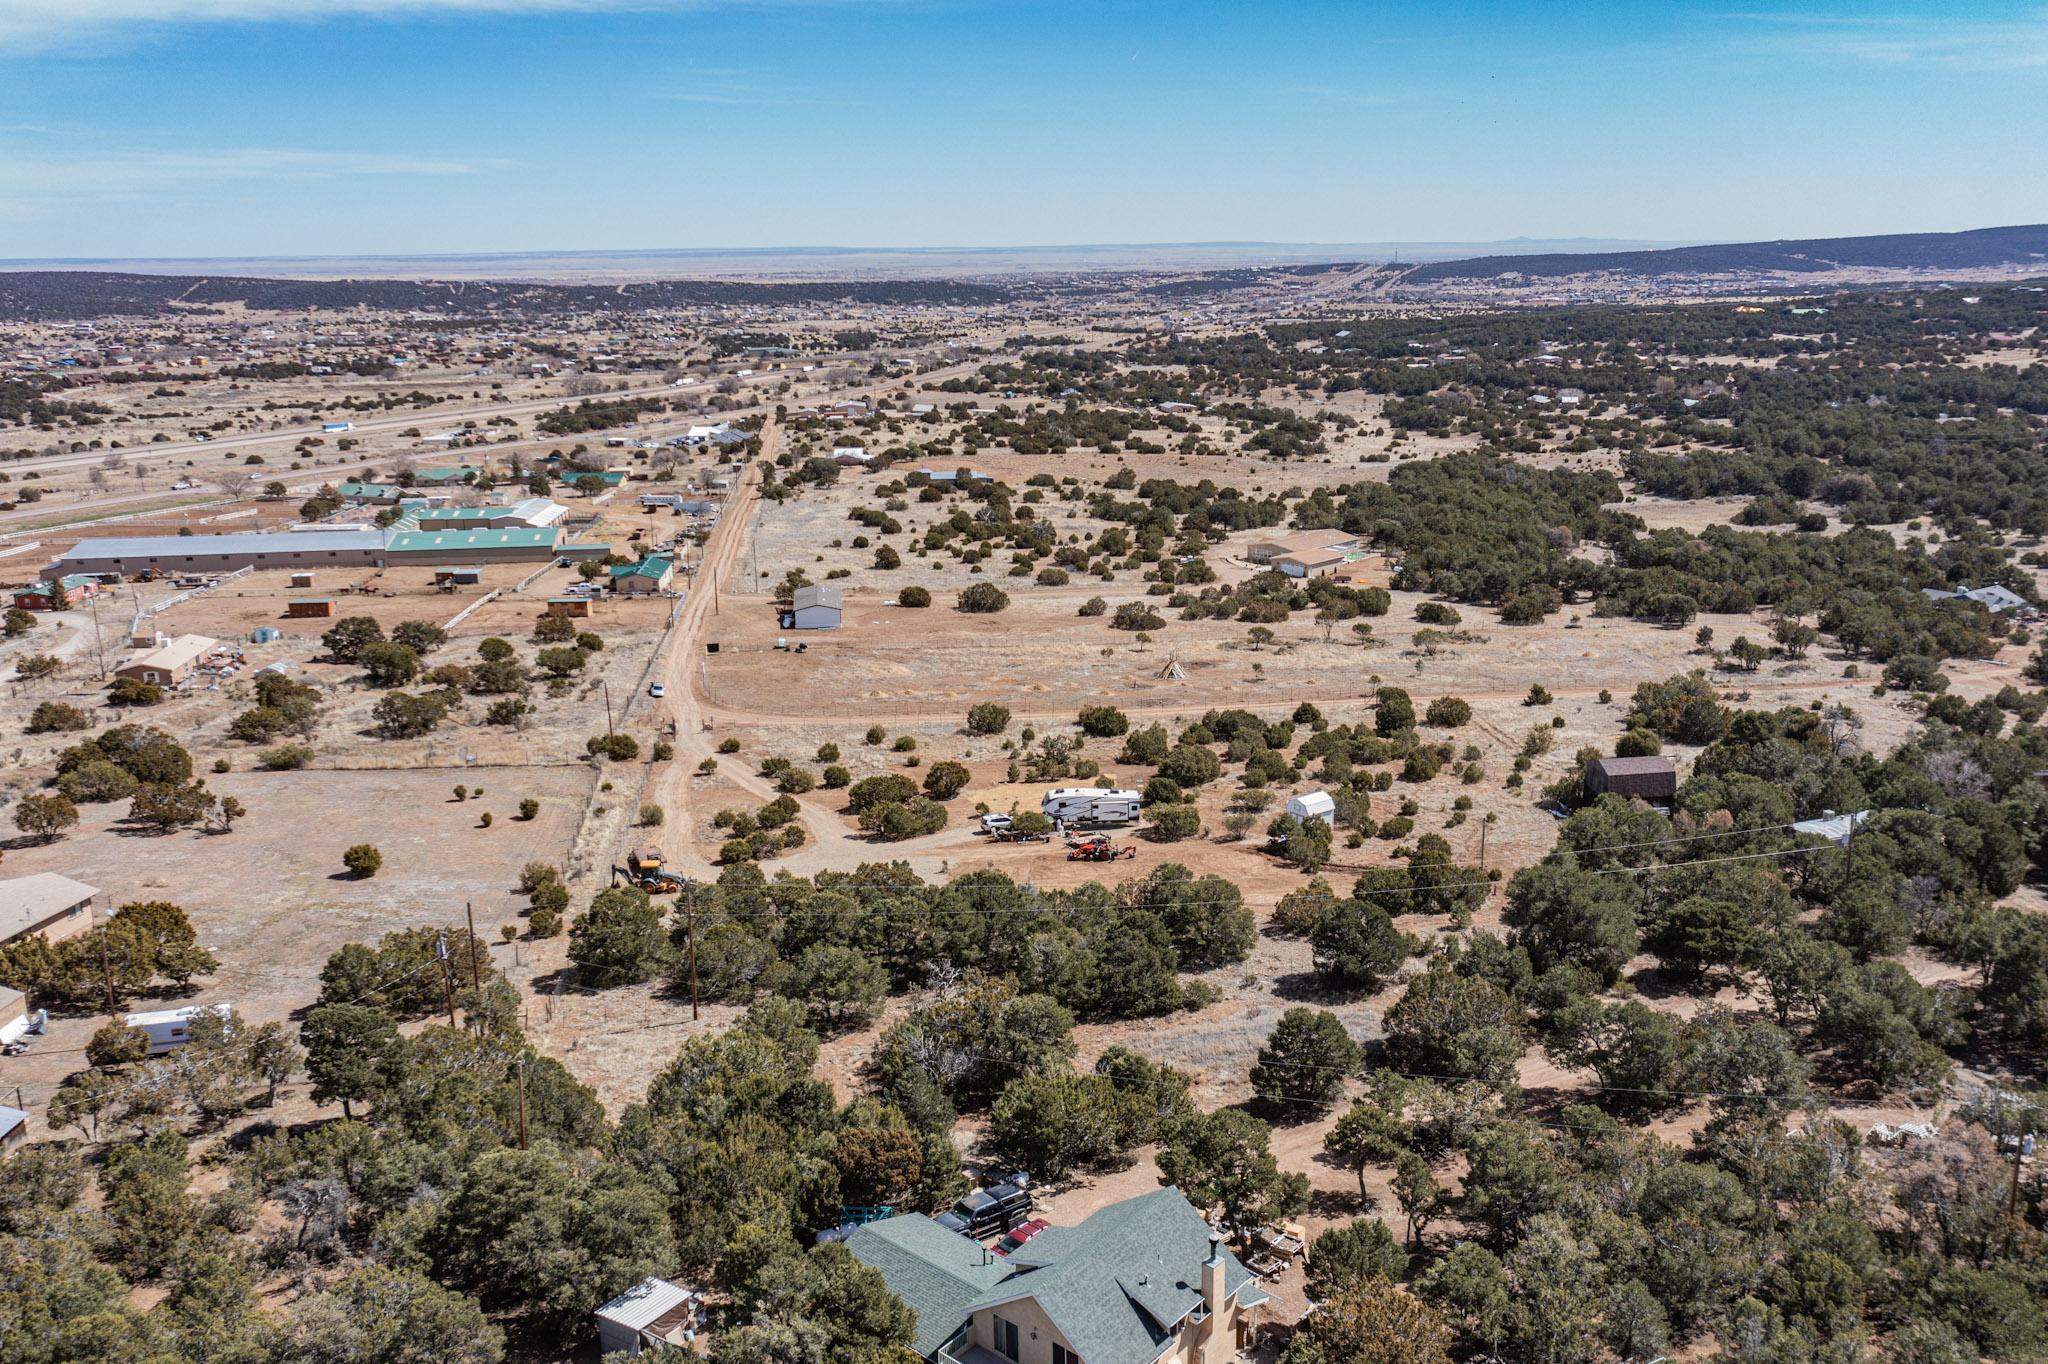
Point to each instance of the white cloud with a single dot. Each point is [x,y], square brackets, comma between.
[42,24]
[1892,40]
[130,174]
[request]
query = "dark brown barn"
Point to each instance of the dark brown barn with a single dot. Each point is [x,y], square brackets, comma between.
[1651,779]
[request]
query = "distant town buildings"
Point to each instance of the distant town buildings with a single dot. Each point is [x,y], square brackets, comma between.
[525,531]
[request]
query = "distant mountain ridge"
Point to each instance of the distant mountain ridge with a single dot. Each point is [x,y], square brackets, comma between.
[1978,249]
[67,295]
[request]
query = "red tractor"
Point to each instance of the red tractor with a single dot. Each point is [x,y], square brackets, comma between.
[1101,850]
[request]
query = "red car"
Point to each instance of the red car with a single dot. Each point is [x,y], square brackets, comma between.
[1021,1233]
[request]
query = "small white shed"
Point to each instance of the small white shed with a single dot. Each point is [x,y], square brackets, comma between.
[1313,805]
[16,1022]
[650,1314]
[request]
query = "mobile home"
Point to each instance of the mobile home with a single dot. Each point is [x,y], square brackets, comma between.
[170,1029]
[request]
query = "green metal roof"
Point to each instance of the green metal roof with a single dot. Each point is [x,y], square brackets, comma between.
[460,513]
[510,537]
[446,475]
[71,581]
[646,568]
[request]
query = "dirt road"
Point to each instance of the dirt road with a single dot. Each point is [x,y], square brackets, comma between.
[672,788]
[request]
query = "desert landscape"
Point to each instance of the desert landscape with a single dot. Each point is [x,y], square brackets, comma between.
[903,590]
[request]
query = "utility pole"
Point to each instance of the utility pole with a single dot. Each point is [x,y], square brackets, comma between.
[690,930]
[607,709]
[107,970]
[447,975]
[99,641]
[1482,845]
[521,1069]
[476,970]
[2022,1147]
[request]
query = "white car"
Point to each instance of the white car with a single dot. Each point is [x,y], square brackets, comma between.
[656,690]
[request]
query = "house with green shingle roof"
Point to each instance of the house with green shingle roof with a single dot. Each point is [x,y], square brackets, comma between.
[939,1273]
[1144,1281]
[652,574]
[354,490]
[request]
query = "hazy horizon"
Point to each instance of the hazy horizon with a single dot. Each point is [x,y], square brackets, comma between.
[656,262]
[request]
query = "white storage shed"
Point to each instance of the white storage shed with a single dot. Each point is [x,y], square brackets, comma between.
[651,1314]
[1313,805]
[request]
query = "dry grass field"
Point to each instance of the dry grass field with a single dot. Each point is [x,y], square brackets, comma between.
[271,898]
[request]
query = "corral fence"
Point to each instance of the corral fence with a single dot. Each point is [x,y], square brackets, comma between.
[189,594]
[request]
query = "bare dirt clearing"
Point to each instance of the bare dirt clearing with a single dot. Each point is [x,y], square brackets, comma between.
[271,898]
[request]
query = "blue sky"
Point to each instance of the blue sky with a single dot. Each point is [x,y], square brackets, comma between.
[243,127]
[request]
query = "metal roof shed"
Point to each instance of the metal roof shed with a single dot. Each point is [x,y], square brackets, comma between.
[813,607]
[1836,829]
[13,1129]
[1313,805]
[647,1316]
[1639,778]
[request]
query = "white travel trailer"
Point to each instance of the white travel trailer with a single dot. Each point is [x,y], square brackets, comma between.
[1090,805]
[170,1029]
